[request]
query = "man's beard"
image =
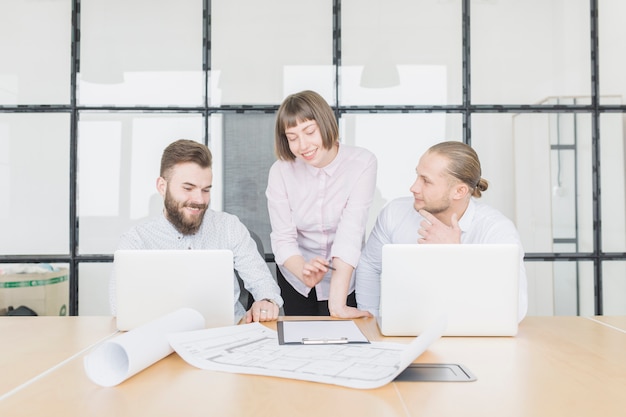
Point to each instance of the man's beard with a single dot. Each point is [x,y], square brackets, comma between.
[176,215]
[436,207]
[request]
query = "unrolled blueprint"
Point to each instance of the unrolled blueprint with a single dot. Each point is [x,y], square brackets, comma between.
[254,349]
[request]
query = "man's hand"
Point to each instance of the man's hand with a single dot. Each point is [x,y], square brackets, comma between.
[262,310]
[434,231]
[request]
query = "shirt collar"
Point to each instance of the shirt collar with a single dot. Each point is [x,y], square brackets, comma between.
[329,169]
[465,223]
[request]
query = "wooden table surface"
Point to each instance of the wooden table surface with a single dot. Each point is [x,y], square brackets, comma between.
[555,366]
[619,322]
[32,345]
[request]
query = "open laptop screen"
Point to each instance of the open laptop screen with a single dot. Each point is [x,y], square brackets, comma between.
[152,283]
[474,285]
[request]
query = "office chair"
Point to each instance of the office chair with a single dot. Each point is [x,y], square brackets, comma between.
[245,297]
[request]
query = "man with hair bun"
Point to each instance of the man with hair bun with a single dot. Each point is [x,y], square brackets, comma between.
[443,209]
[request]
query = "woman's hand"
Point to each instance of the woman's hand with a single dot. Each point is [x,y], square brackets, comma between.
[313,271]
[346,312]
[339,286]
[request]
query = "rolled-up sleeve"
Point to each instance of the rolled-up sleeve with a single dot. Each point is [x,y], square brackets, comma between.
[350,234]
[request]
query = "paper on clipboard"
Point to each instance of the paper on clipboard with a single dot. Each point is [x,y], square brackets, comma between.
[316,332]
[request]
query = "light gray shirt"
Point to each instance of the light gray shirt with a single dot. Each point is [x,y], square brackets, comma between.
[398,222]
[219,230]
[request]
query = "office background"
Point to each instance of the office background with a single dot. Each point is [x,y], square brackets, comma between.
[91,91]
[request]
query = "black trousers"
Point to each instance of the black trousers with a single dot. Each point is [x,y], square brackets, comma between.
[298,305]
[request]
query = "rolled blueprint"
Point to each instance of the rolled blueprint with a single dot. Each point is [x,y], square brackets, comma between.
[117,359]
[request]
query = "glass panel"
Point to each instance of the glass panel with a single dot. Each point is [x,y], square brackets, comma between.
[93,289]
[402,52]
[409,134]
[248,155]
[158,62]
[527,51]
[246,162]
[611,52]
[563,288]
[272,50]
[119,157]
[614,288]
[551,183]
[29,289]
[612,176]
[34,172]
[35,39]
[540,288]
[492,140]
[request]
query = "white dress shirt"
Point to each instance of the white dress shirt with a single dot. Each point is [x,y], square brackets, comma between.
[398,222]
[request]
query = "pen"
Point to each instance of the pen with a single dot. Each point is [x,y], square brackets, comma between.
[307,341]
[330,266]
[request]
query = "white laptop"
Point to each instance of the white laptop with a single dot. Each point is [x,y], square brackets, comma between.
[152,283]
[474,285]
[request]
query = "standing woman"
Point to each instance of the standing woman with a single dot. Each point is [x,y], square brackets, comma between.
[319,193]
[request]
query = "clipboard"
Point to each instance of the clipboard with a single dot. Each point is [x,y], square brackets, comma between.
[319,332]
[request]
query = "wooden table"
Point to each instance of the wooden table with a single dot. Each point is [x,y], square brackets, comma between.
[32,345]
[618,322]
[556,366]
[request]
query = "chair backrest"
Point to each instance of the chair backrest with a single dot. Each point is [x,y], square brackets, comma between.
[245,297]
[259,243]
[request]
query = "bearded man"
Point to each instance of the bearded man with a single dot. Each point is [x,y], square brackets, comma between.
[187,223]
